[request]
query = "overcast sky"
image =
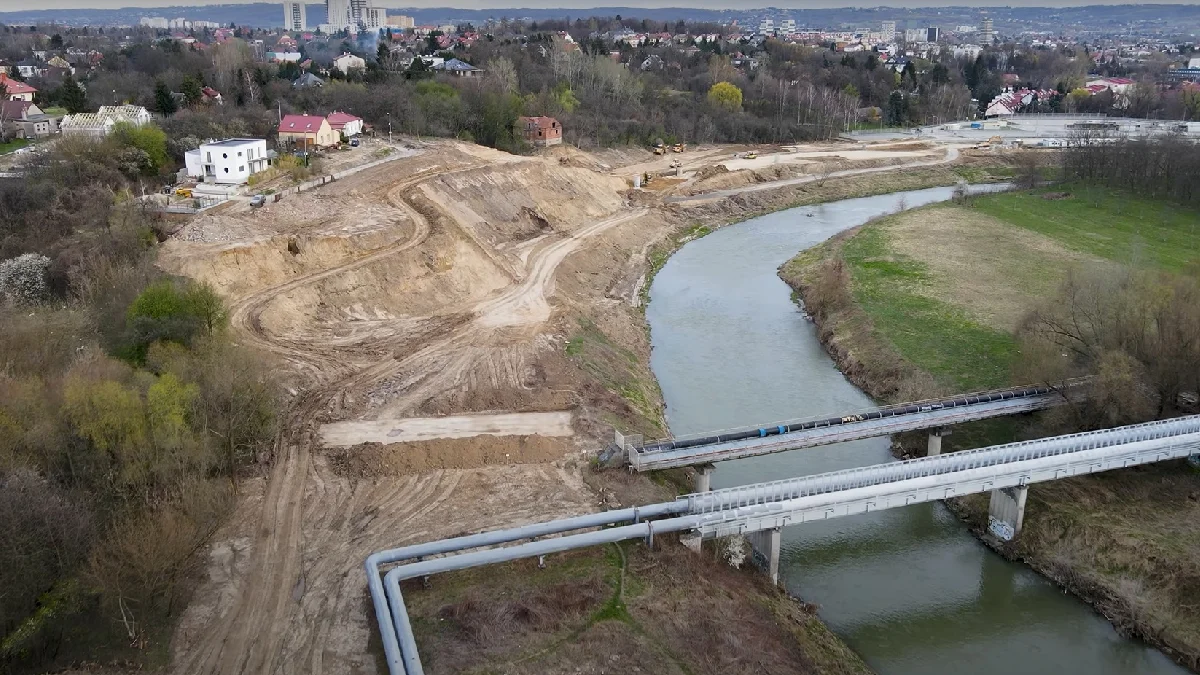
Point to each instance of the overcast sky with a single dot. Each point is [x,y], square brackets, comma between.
[15,5]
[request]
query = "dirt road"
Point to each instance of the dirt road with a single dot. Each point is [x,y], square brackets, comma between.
[285,593]
[347,434]
[950,156]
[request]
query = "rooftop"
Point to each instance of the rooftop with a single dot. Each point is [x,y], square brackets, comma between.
[234,142]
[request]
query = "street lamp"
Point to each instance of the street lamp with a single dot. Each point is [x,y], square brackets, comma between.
[389,118]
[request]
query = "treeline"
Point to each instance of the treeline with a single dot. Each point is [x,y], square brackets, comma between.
[1134,329]
[126,413]
[1164,167]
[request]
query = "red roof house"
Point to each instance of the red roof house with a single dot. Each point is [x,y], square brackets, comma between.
[15,90]
[344,123]
[307,130]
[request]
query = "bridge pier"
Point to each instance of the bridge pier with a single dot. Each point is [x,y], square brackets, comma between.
[1006,512]
[704,474]
[934,447]
[692,540]
[765,548]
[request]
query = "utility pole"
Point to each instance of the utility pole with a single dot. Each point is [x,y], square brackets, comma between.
[389,116]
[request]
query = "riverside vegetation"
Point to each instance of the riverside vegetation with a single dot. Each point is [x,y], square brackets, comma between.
[1082,278]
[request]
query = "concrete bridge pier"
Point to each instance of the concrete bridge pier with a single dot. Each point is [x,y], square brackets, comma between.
[765,548]
[1006,512]
[704,474]
[935,441]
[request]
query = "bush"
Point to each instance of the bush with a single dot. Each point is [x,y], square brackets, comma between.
[148,139]
[173,312]
[23,279]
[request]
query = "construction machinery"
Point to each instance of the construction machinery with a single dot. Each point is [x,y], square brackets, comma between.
[183,192]
[751,155]
[679,147]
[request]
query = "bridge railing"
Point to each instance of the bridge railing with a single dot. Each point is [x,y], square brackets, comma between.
[849,414]
[795,488]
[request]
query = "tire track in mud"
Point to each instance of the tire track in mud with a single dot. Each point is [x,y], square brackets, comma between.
[249,636]
[289,604]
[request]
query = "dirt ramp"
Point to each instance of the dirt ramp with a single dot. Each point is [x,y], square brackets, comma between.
[397,459]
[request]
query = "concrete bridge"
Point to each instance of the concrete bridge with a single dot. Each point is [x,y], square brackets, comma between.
[936,415]
[760,511]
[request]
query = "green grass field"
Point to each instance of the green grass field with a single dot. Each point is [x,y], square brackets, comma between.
[14,144]
[933,335]
[941,337]
[1113,225]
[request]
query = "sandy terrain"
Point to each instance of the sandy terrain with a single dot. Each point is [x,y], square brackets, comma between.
[421,313]
[345,434]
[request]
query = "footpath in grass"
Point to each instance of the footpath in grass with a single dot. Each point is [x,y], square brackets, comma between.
[1114,225]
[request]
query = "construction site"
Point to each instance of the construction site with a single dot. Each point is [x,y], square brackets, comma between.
[459,331]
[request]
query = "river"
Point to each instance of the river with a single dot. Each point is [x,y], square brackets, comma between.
[910,589]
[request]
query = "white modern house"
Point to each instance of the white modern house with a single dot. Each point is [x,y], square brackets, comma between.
[228,162]
[347,62]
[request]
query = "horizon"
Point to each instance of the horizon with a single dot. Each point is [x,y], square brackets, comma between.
[578,5]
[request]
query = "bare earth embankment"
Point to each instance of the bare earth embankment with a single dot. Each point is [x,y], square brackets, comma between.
[928,301]
[459,329]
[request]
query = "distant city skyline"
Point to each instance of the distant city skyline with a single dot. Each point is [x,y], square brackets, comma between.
[577,5]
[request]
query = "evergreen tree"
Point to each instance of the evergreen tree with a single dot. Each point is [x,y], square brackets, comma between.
[71,96]
[192,91]
[164,102]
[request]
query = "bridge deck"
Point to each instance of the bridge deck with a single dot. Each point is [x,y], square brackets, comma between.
[644,459]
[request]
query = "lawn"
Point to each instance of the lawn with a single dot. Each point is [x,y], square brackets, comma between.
[14,144]
[939,337]
[1113,225]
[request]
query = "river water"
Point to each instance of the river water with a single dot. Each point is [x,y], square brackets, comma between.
[910,589]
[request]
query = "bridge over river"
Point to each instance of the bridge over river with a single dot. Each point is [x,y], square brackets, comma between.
[761,510]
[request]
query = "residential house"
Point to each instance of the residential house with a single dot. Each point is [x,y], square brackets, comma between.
[1009,102]
[212,95]
[345,124]
[5,67]
[15,90]
[23,119]
[458,68]
[540,131]
[87,124]
[308,80]
[307,131]
[347,62]
[30,67]
[282,57]
[101,122]
[228,162]
[59,62]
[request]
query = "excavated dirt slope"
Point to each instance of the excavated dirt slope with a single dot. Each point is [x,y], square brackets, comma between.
[419,288]
[452,281]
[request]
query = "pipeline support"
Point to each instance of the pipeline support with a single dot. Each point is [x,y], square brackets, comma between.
[934,447]
[1006,512]
[766,546]
[704,474]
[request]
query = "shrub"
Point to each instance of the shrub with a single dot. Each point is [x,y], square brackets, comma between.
[170,311]
[23,279]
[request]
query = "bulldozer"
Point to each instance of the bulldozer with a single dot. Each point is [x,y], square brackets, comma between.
[659,150]
[679,147]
